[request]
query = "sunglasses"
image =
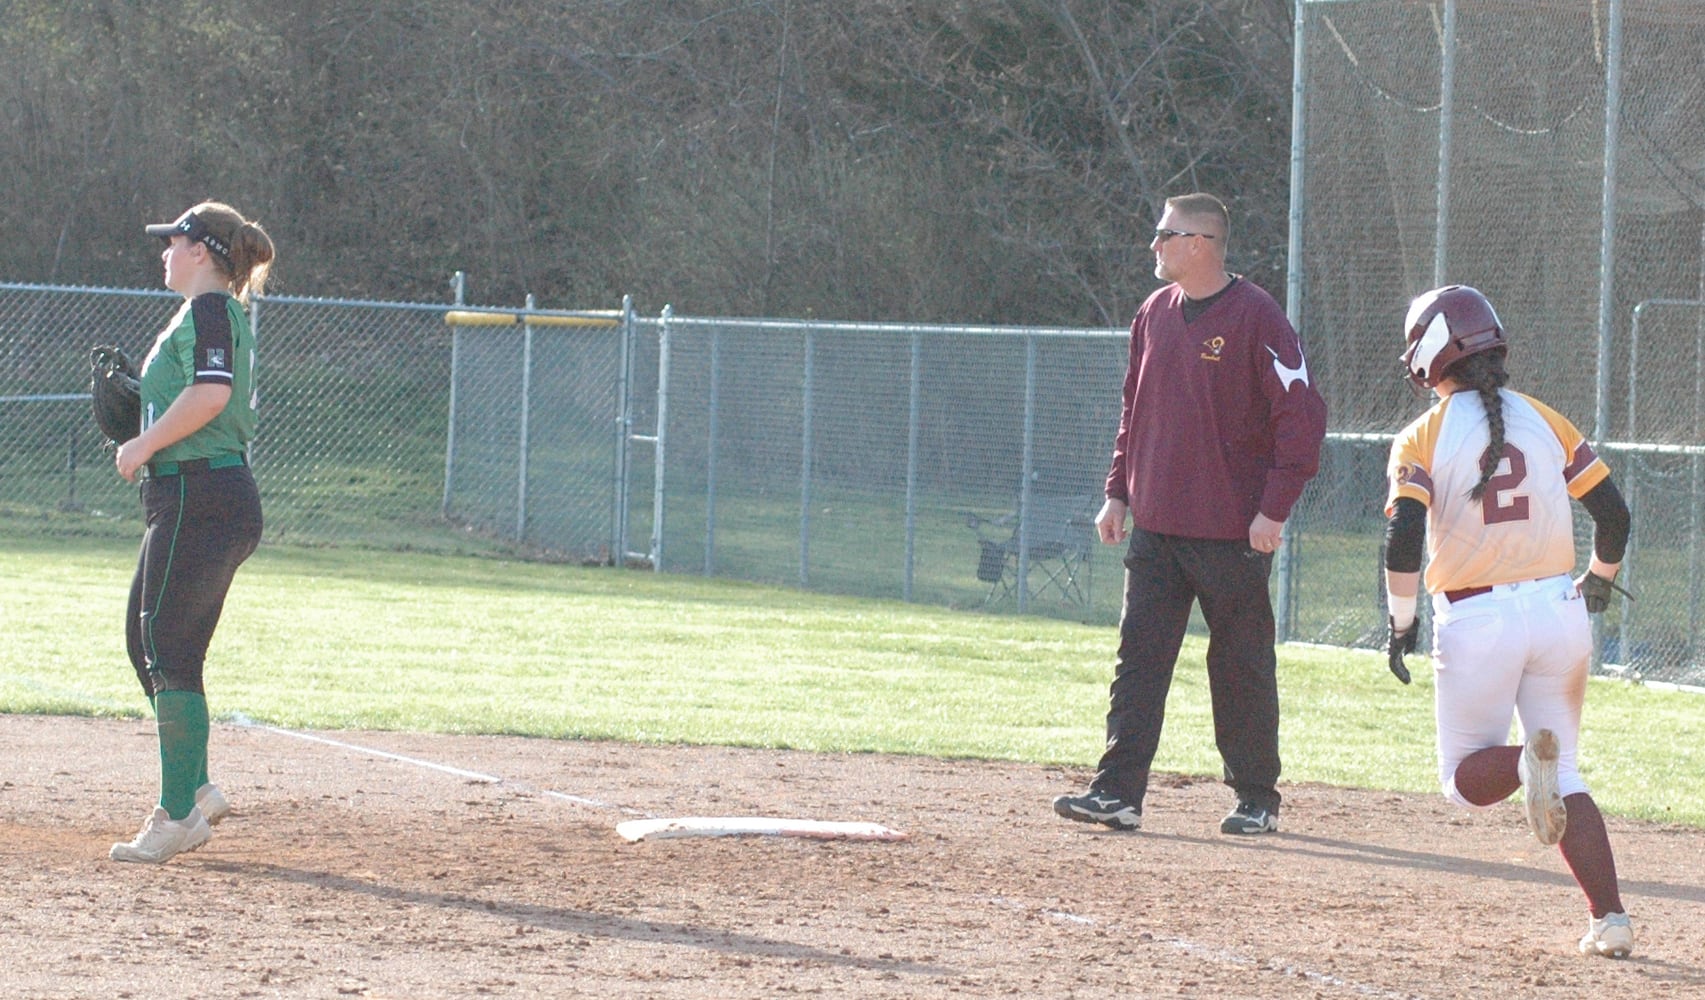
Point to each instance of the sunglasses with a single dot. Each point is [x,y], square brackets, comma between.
[1165,234]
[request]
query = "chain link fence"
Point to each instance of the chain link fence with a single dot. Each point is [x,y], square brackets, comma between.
[875,459]
[881,458]
[352,400]
[956,466]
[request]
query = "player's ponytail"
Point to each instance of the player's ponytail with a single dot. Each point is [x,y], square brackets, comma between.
[1484,373]
[254,248]
[250,254]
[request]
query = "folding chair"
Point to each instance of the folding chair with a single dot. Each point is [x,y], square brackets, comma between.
[1057,537]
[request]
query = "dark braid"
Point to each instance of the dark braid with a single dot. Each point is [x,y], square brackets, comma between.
[1484,373]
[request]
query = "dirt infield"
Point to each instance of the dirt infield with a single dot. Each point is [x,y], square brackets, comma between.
[392,865]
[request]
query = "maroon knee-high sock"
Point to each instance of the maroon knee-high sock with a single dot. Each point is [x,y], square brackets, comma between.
[1489,775]
[1586,848]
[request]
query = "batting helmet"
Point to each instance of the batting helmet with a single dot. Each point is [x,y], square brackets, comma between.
[1444,326]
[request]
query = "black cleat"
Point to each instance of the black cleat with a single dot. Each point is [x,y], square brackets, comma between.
[1097,807]
[1250,818]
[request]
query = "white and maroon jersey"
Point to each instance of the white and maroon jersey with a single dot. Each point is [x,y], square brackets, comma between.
[1523,529]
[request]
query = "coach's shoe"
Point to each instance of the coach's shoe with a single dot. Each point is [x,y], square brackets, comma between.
[213,804]
[1098,807]
[1546,813]
[1610,935]
[163,838]
[1250,818]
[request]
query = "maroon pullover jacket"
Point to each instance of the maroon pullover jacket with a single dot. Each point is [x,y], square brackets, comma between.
[1221,417]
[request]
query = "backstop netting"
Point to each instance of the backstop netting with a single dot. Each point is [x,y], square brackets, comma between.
[1552,154]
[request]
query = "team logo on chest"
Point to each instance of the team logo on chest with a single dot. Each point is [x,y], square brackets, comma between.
[1213,348]
[216,358]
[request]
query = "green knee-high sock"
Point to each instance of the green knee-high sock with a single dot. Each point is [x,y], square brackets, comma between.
[201,777]
[183,749]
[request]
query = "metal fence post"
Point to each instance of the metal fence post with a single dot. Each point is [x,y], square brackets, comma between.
[1294,263]
[1027,467]
[660,441]
[1607,257]
[805,461]
[526,414]
[914,409]
[1447,115]
[619,451]
[622,488]
[458,286]
[713,403]
[654,549]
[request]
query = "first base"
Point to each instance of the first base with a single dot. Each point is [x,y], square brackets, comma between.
[753,826]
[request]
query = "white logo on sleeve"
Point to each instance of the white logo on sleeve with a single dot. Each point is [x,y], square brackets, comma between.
[1289,375]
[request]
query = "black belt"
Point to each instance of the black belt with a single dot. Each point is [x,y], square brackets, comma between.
[1465,593]
[193,466]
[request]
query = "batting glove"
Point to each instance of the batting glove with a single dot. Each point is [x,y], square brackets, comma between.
[1596,590]
[1400,642]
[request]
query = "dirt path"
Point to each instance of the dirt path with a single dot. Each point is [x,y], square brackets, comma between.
[392,865]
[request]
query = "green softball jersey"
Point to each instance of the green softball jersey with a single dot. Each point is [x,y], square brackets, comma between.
[207,341]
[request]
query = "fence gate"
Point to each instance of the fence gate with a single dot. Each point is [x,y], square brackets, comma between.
[539,442]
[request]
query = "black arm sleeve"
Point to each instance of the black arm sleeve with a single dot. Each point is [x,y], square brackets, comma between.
[1406,535]
[1610,520]
[213,356]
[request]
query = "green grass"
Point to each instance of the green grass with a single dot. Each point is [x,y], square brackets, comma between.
[357,638]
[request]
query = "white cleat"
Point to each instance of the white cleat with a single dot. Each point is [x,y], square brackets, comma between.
[163,838]
[1610,935]
[213,804]
[1546,813]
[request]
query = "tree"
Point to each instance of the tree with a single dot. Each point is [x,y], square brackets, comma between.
[956,161]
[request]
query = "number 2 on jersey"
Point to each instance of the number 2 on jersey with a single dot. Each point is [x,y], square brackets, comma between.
[1494,507]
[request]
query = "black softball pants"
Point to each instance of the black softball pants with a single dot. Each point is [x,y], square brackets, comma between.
[200,526]
[1164,576]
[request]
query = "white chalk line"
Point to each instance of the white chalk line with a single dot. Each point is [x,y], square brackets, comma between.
[239,719]
[1224,956]
[488,779]
[1216,954]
